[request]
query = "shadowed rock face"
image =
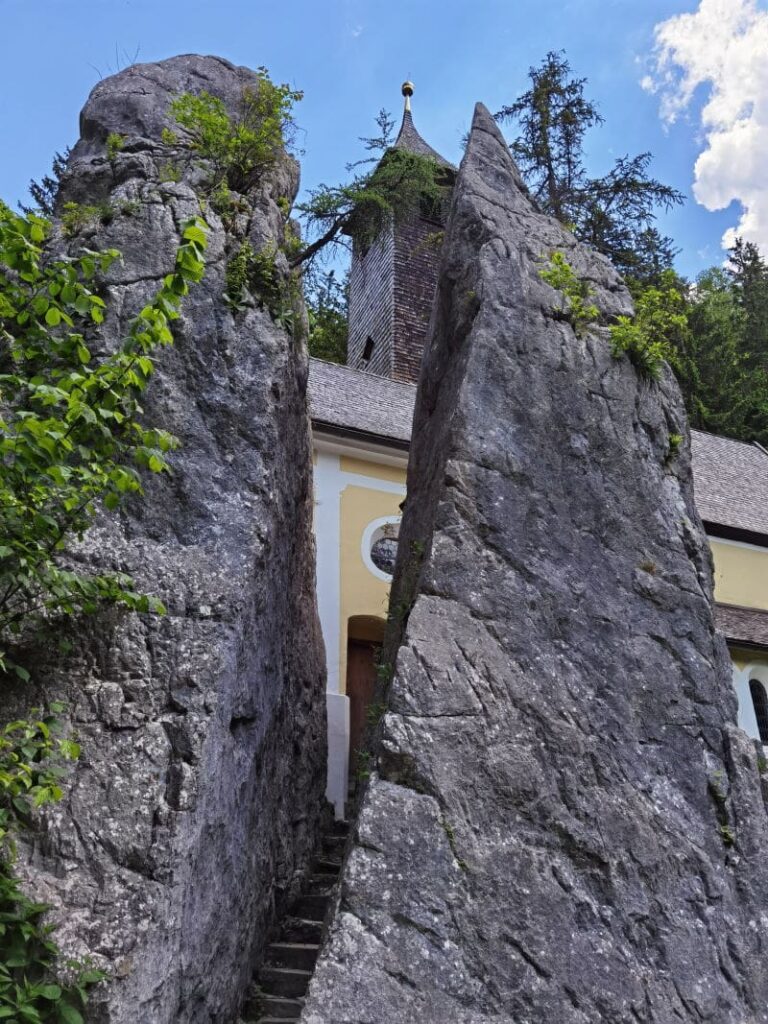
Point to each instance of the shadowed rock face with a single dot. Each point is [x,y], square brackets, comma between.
[541,842]
[196,801]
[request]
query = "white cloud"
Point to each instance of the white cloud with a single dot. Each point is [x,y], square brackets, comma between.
[721,47]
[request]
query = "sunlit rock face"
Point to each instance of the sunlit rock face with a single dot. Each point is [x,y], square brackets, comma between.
[564,825]
[195,805]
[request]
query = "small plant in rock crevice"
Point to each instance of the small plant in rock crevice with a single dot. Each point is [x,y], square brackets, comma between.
[114,145]
[364,764]
[576,308]
[256,273]
[77,217]
[675,440]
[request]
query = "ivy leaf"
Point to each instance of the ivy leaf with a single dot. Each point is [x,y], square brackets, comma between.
[68,1014]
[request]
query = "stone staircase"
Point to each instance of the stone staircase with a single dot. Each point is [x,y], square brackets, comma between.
[277,994]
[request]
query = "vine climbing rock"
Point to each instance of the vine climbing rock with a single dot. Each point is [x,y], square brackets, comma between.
[192,813]
[564,823]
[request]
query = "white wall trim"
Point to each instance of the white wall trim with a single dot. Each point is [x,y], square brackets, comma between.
[360,450]
[373,483]
[746,715]
[337,783]
[328,485]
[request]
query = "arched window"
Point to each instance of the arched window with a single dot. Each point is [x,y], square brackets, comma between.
[760,704]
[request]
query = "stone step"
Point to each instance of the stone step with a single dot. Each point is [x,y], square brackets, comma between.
[284,981]
[312,906]
[333,846]
[326,866]
[299,929]
[277,1008]
[319,884]
[301,955]
[260,1005]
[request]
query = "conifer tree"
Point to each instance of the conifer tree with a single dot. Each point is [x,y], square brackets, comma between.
[614,213]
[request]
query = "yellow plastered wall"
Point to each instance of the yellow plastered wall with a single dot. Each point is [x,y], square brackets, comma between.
[741,574]
[362,593]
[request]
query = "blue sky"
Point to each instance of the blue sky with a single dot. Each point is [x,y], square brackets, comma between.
[350,56]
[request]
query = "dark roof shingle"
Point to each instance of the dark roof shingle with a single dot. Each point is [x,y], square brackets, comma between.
[352,400]
[730,482]
[748,626]
[409,139]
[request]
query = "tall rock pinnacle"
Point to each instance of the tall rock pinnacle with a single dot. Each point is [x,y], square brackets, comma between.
[194,807]
[564,825]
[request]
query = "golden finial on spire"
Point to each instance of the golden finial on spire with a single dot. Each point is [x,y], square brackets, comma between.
[407,91]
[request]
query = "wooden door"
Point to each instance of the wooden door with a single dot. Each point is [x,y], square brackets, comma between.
[361,683]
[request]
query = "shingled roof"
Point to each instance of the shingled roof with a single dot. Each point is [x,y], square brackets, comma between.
[745,626]
[348,401]
[731,483]
[409,139]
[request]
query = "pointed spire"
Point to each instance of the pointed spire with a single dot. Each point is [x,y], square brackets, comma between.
[408,138]
[407,91]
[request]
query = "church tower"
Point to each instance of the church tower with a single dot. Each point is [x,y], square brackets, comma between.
[392,282]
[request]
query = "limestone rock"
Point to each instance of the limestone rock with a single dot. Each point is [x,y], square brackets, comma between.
[565,825]
[195,805]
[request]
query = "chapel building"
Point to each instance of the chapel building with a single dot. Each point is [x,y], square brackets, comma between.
[361,423]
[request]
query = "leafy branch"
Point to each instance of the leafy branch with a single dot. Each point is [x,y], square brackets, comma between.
[71,438]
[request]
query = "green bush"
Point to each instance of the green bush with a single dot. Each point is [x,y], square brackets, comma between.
[237,149]
[649,337]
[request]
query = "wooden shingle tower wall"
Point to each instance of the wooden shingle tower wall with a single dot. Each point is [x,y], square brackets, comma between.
[392,282]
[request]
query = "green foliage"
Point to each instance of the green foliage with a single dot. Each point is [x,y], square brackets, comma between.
[727,835]
[31,753]
[114,144]
[576,308]
[748,276]
[76,218]
[400,185]
[675,440]
[375,713]
[326,299]
[657,331]
[652,336]
[237,275]
[44,192]
[613,213]
[71,439]
[255,274]
[32,983]
[168,172]
[364,764]
[236,149]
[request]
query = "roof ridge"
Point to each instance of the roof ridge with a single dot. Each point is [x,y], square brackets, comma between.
[730,440]
[365,373]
